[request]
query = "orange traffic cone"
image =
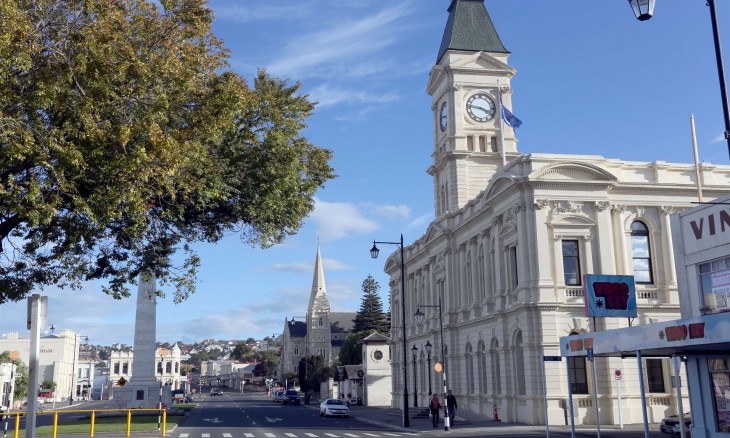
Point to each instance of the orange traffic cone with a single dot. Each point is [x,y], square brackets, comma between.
[496,414]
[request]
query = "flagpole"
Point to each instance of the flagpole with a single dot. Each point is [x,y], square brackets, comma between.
[501,125]
[697,160]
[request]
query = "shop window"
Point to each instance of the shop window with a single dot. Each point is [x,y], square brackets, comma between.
[640,252]
[720,378]
[655,375]
[715,277]
[578,376]
[571,263]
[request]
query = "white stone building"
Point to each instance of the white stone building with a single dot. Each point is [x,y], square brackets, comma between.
[167,367]
[58,359]
[513,236]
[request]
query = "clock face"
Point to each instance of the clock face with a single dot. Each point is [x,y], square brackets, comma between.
[480,107]
[377,355]
[444,117]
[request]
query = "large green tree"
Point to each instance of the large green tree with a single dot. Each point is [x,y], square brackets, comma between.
[371,316]
[125,136]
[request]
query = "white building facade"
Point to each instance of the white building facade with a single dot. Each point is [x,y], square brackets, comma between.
[513,236]
[167,369]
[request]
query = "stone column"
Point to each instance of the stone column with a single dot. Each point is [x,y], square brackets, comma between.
[145,332]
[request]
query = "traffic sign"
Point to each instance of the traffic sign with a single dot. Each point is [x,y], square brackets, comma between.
[617,374]
[552,358]
[590,354]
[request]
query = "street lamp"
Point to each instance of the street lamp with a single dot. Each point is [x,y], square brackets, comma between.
[644,9]
[415,381]
[374,254]
[419,316]
[428,352]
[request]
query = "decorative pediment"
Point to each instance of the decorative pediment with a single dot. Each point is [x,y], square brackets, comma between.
[483,62]
[572,171]
[498,184]
[572,220]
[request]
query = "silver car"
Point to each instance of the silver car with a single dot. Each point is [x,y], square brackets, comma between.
[333,407]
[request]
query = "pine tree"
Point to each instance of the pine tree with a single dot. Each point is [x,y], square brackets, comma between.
[371,316]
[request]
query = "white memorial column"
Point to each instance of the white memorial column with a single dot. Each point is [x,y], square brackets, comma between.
[145,331]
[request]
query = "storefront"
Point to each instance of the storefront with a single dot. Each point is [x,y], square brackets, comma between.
[701,339]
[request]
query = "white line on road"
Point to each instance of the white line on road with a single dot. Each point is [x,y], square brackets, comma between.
[270,435]
[183,435]
[227,435]
[206,435]
[248,435]
[312,435]
[370,434]
[293,435]
[352,434]
[332,435]
[391,434]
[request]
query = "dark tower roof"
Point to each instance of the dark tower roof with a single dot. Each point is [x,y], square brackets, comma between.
[470,29]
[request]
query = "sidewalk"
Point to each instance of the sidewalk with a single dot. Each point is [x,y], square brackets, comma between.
[393,418]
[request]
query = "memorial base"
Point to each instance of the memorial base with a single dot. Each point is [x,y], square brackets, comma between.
[145,395]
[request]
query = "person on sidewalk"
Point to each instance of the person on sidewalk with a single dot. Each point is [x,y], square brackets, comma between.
[435,408]
[451,404]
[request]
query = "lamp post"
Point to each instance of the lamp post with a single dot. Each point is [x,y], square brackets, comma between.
[415,381]
[428,353]
[644,9]
[374,254]
[419,316]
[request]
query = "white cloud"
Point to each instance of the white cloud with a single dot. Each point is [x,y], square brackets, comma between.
[718,139]
[263,11]
[306,267]
[341,49]
[390,210]
[337,220]
[329,96]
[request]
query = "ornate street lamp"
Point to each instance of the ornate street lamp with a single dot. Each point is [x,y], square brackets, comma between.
[419,317]
[415,381]
[644,9]
[428,352]
[374,251]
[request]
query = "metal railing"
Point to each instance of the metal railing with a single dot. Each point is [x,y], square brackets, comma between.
[92,422]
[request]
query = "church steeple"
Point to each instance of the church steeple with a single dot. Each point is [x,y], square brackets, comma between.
[318,298]
[470,29]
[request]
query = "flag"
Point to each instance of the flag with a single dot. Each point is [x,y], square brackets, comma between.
[510,118]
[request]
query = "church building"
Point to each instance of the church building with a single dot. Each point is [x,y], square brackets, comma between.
[512,238]
[322,333]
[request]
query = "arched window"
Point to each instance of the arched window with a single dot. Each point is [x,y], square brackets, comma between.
[177,367]
[321,321]
[159,367]
[168,368]
[481,269]
[469,282]
[496,371]
[519,364]
[641,253]
[482,367]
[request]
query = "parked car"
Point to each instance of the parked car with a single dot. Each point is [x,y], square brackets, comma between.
[278,396]
[333,407]
[670,425]
[216,391]
[38,406]
[291,397]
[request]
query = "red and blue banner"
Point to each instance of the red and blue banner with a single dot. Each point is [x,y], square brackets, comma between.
[610,295]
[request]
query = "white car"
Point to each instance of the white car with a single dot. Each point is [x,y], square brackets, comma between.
[334,407]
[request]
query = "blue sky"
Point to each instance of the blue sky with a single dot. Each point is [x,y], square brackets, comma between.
[591,79]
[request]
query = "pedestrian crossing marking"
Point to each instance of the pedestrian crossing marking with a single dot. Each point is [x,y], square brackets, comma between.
[248,435]
[227,435]
[270,435]
[293,435]
[370,434]
[352,434]
[183,435]
[311,435]
[332,435]
[206,435]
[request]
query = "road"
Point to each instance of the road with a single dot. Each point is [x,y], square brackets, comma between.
[254,415]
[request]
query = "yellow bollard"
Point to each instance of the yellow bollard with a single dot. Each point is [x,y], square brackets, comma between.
[55,424]
[164,421]
[17,425]
[93,419]
[129,422]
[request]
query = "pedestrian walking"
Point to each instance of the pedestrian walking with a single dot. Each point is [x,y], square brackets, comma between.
[435,407]
[451,404]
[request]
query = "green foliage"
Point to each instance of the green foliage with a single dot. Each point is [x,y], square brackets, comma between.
[48,384]
[240,352]
[371,316]
[317,373]
[21,372]
[125,137]
[265,368]
[351,350]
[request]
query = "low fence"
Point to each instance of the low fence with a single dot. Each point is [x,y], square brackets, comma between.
[161,421]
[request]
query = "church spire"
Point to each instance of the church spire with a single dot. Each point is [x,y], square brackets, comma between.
[318,298]
[470,29]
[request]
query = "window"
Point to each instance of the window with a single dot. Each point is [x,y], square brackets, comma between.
[481,268]
[469,369]
[571,263]
[168,368]
[125,368]
[720,378]
[496,372]
[640,252]
[577,373]
[513,266]
[482,358]
[469,285]
[296,349]
[116,368]
[713,278]
[159,367]
[655,375]
[519,364]
[321,321]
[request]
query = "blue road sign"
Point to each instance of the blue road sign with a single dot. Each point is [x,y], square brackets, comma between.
[552,358]
[590,354]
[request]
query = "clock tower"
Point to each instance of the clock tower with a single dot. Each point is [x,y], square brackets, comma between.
[469,145]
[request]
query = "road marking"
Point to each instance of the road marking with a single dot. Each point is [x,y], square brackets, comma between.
[206,435]
[391,434]
[271,435]
[248,435]
[183,435]
[312,435]
[332,435]
[370,434]
[352,434]
[291,435]
[227,435]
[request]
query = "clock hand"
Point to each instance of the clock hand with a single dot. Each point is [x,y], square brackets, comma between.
[481,108]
